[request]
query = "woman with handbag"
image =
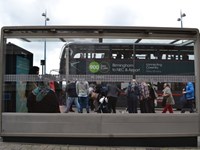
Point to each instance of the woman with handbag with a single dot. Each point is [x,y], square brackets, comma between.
[167,94]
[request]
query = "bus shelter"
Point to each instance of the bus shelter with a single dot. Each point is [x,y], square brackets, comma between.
[22,46]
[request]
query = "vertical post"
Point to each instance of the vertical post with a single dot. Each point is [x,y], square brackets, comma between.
[181,18]
[133,76]
[197,71]
[2,72]
[44,56]
[67,64]
[45,24]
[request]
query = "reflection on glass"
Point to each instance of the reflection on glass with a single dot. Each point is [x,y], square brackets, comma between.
[155,61]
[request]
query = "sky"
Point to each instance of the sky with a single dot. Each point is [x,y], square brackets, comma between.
[153,13]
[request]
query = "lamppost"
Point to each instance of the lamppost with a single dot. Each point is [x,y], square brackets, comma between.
[45,23]
[181,18]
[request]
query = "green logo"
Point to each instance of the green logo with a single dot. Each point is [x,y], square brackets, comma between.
[94,67]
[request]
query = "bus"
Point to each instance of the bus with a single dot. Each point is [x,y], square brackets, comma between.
[120,62]
[107,54]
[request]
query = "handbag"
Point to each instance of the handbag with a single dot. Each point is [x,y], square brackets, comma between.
[94,95]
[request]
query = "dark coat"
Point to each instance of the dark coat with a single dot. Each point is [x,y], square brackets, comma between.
[71,90]
[49,104]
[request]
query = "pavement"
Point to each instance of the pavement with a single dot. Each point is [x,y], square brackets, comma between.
[31,146]
[40,146]
[121,110]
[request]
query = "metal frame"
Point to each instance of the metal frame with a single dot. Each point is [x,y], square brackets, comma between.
[97,32]
[146,125]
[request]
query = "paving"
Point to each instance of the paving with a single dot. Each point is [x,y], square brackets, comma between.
[31,146]
[39,146]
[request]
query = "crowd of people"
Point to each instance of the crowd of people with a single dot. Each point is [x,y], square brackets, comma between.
[45,96]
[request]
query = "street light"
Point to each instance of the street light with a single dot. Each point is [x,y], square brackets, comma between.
[181,18]
[45,23]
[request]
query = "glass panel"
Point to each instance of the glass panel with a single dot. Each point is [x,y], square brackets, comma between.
[117,60]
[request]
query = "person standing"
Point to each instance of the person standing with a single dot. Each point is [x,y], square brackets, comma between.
[112,94]
[82,89]
[97,95]
[72,97]
[132,93]
[189,96]
[169,99]
[43,99]
[144,96]
[152,97]
[30,85]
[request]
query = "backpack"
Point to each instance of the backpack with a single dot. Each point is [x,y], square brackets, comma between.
[103,106]
[104,90]
[133,89]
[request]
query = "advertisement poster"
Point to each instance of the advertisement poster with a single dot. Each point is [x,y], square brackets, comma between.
[22,67]
[128,67]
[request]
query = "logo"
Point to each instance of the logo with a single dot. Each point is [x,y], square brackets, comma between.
[105,67]
[94,67]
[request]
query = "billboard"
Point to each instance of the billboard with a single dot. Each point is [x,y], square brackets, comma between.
[128,67]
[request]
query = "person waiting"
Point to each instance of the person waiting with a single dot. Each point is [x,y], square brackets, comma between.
[43,99]
[72,97]
[82,89]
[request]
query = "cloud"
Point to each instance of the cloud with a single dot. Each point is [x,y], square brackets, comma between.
[119,15]
[94,12]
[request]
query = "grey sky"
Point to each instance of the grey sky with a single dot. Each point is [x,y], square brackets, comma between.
[163,13]
[104,12]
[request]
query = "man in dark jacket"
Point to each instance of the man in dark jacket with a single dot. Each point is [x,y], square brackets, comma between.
[112,95]
[72,96]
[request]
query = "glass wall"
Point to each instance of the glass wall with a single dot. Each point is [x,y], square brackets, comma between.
[66,56]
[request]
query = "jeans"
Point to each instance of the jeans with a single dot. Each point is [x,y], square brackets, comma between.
[188,104]
[84,103]
[69,102]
